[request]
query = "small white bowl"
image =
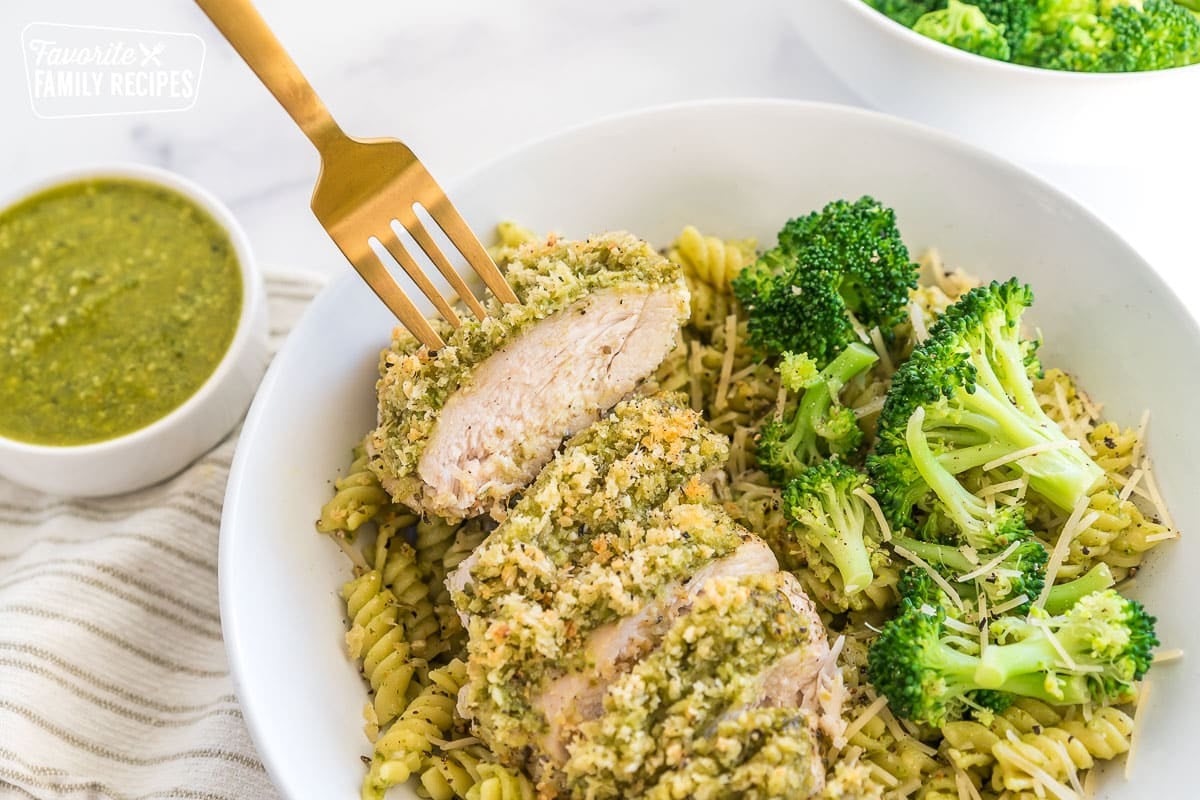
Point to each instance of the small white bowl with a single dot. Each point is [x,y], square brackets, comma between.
[167,445]
[1032,115]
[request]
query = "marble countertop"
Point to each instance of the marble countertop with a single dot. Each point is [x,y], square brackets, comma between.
[463,81]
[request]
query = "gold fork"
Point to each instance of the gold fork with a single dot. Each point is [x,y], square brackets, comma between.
[364,185]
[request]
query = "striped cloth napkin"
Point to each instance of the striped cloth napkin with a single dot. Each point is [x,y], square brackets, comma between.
[113,679]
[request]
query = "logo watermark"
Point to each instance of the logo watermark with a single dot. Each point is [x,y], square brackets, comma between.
[90,71]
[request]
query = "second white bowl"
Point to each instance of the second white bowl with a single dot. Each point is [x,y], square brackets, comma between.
[1031,115]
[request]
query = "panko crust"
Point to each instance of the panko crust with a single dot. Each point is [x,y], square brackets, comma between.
[416,383]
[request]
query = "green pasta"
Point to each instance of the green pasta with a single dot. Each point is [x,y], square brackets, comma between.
[402,751]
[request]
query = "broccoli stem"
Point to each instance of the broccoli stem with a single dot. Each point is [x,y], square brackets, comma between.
[1034,657]
[1059,690]
[940,554]
[844,541]
[963,507]
[837,373]
[1061,475]
[1064,595]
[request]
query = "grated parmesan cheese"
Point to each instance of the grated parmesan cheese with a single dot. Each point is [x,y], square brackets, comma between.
[991,565]
[1063,546]
[956,625]
[1140,443]
[883,776]
[870,407]
[885,360]
[726,362]
[1163,512]
[1032,450]
[866,716]
[1143,695]
[1167,655]
[695,368]
[966,789]
[1043,780]
[1089,783]
[916,316]
[884,529]
[1067,661]
[907,788]
[1131,484]
[1010,604]
[859,330]
[1003,486]
[1069,764]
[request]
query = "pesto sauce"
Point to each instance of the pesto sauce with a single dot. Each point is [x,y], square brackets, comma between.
[118,299]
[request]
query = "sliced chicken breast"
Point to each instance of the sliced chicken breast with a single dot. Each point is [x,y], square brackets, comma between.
[462,430]
[728,668]
[574,698]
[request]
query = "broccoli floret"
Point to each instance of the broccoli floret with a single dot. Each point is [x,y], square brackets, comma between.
[1021,572]
[1064,595]
[821,426]
[1013,17]
[797,371]
[925,668]
[966,28]
[825,510]
[906,12]
[1056,654]
[1112,36]
[963,399]
[954,513]
[847,259]
[927,662]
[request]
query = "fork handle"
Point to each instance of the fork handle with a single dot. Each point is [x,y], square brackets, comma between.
[245,29]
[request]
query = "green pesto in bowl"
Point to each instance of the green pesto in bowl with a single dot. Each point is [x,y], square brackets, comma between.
[118,299]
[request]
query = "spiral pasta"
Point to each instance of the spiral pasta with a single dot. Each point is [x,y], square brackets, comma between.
[357,498]
[401,751]
[710,264]
[402,575]
[1061,751]
[473,774]
[433,538]
[377,638]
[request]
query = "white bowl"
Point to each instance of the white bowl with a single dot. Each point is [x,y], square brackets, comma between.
[167,445]
[1031,115]
[734,169]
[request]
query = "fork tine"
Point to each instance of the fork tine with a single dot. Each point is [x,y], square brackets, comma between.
[413,225]
[456,229]
[390,241]
[385,287]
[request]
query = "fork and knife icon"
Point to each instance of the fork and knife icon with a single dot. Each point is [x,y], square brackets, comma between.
[150,54]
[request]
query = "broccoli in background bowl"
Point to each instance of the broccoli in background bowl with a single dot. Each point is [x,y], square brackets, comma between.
[1072,35]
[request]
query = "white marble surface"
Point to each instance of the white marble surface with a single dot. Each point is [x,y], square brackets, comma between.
[463,81]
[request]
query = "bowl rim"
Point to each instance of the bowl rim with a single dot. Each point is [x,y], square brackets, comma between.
[973,60]
[252,296]
[253,712]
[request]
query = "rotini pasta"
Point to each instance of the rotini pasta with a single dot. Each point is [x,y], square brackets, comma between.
[357,498]
[402,576]
[403,749]
[377,638]
[434,537]
[472,774]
